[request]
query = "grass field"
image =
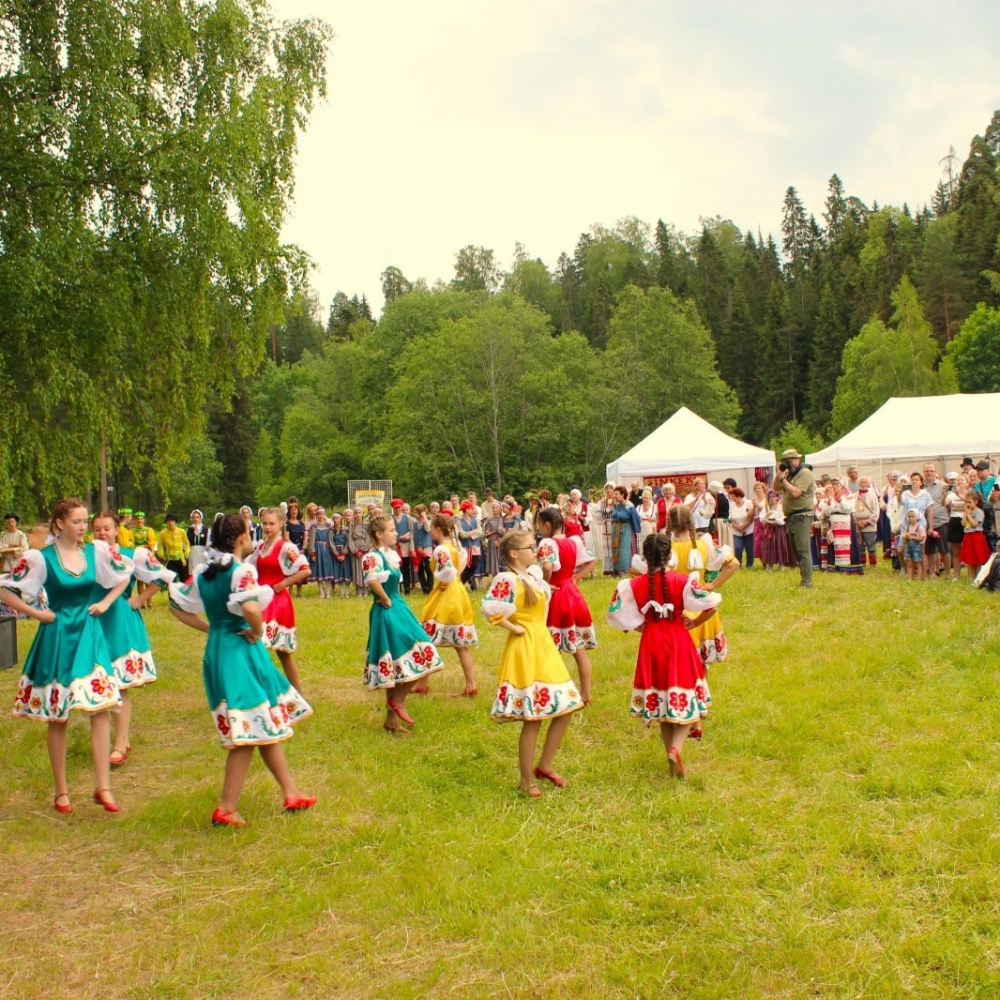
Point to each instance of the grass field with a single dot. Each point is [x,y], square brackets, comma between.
[836,836]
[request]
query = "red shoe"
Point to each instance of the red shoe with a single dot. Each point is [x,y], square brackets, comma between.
[112,806]
[695,734]
[400,713]
[677,768]
[296,802]
[557,779]
[471,693]
[67,808]
[220,818]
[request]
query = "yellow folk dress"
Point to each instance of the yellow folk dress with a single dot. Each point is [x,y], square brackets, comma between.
[706,559]
[447,616]
[533,684]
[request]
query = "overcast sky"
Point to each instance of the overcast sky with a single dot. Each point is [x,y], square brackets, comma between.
[449,123]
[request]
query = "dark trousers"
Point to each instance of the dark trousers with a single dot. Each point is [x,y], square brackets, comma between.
[425,574]
[406,572]
[799,530]
[741,544]
[469,573]
[179,567]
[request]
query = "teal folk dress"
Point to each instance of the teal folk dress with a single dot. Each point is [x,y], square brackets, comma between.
[123,627]
[69,664]
[251,701]
[398,648]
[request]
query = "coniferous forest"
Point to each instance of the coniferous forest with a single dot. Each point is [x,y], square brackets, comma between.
[152,320]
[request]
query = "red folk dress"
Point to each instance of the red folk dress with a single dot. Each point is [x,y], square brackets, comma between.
[283,560]
[670,683]
[569,620]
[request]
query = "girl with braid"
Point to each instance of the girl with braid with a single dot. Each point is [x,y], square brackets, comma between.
[447,616]
[670,685]
[252,703]
[533,684]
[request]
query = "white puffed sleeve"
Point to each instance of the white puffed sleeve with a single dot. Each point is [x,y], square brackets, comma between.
[112,568]
[149,569]
[718,555]
[638,566]
[373,569]
[548,554]
[28,576]
[244,587]
[499,601]
[251,559]
[185,596]
[623,612]
[291,560]
[696,599]
[445,570]
[583,554]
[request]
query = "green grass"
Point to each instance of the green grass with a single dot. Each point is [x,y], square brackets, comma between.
[836,835]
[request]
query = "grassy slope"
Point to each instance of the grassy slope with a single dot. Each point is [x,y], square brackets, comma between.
[835,836]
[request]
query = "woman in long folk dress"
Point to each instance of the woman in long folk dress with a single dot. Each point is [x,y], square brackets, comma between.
[625,529]
[341,556]
[492,520]
[359,542]
[68,667]
[399,652]
[251,702]
[601,526]
[125,631]
[319,549]
[533,684]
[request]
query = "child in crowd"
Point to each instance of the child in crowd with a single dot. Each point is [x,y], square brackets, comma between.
[914,536]
[975,550]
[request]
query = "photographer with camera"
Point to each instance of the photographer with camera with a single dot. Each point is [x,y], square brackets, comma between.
[795,481]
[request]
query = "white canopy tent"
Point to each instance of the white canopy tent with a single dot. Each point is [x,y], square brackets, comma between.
[909,430]
[688,444]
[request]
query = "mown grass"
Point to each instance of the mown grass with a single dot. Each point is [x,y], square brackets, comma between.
[836,836]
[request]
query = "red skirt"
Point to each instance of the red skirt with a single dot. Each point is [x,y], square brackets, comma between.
[975,550]
[279,623]
[670,683]
[570,622]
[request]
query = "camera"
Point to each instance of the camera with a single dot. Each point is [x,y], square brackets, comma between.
[783,466]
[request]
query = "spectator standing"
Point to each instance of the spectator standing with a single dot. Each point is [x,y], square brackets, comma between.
[741,519]
[796,483]
[936,546]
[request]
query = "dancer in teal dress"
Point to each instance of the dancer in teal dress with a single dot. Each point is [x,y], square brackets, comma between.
[68,667]
[251,701]
[125,631]
[399,653]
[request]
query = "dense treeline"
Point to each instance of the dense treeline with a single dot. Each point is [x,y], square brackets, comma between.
[151,314]
[542,374]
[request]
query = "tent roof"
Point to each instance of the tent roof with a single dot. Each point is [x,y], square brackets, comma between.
[921,427]
[687,443]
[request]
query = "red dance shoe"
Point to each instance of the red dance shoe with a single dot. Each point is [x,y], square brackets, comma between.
[232,818]
[296,802]
[67,808]
[112,806]
[400,713]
